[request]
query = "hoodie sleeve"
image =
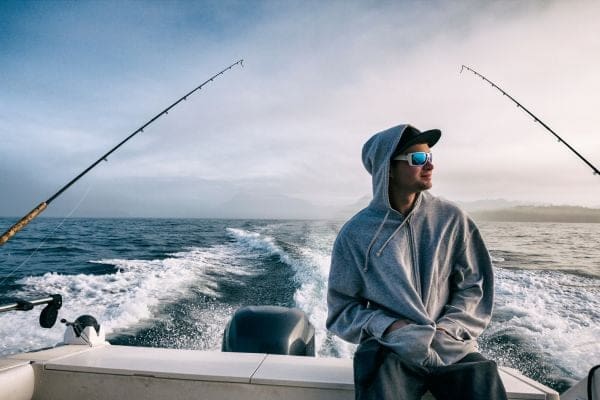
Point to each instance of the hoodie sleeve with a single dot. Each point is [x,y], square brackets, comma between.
[348,312]
[469,308]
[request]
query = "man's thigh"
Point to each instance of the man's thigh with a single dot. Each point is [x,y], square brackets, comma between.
[380,374]
[472,378]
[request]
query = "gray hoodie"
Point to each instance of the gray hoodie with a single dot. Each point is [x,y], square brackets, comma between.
[430,266]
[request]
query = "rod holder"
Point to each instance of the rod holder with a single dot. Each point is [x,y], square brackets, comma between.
[47,316]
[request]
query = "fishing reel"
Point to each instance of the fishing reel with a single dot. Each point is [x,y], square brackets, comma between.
[84,330]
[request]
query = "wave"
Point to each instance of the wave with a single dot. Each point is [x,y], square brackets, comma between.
[129,296]
[554,315]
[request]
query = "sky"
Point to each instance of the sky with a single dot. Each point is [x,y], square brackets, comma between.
[286,130]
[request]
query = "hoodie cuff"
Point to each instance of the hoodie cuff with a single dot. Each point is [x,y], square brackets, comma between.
[454,330]
[378,324]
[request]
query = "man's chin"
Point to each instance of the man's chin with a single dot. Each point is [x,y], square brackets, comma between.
[426,185]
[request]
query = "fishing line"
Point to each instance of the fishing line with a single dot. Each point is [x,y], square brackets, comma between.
[535,118]
[47,236]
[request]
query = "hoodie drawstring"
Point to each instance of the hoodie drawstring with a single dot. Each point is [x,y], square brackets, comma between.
[417,202]
[392,235]
[366,266]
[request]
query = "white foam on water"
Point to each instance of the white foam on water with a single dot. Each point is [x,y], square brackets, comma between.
[256,241]
[125,298]
[311,297]
[556,315]
[311,268]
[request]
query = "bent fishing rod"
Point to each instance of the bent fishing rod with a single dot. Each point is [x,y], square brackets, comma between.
[536,119]
[43,205]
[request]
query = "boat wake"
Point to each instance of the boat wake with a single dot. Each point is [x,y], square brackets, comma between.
[311,269]
[545,323]
[130,297]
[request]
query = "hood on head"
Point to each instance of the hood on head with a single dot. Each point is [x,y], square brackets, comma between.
[376,155]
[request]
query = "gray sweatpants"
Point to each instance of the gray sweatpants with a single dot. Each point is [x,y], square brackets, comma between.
[380,374]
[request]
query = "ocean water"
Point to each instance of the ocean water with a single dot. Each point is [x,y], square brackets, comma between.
[175,283]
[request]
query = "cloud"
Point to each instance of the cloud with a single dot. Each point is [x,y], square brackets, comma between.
[319,79]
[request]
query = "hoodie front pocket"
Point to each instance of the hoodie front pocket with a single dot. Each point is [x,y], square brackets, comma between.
[411,343]
[451,349]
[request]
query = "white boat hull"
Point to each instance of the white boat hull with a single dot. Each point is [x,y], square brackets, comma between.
[122,372]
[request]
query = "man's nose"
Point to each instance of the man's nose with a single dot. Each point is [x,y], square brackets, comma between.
[428,165]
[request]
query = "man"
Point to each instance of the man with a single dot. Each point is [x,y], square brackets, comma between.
[411,281]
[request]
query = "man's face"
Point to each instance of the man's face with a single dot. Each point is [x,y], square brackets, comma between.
[408,179]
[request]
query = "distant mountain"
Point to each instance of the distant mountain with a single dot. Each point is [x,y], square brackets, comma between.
[347,211]
[540,214]
[267,206]
[489,204]
[279,206]
[504,210]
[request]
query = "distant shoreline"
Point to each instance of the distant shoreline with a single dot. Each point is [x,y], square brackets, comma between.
[566,214]
[540,214]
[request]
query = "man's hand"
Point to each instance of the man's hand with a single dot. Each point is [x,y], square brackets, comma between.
[399,323]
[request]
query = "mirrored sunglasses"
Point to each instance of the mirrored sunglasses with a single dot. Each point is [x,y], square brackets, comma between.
[416,159]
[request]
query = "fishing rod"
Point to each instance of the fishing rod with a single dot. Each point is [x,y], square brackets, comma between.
[42,206]
[536,119]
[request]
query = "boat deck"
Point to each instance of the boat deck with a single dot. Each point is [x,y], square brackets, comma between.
[122,372]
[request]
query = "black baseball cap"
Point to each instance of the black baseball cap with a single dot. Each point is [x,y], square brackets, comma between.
[412,135]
